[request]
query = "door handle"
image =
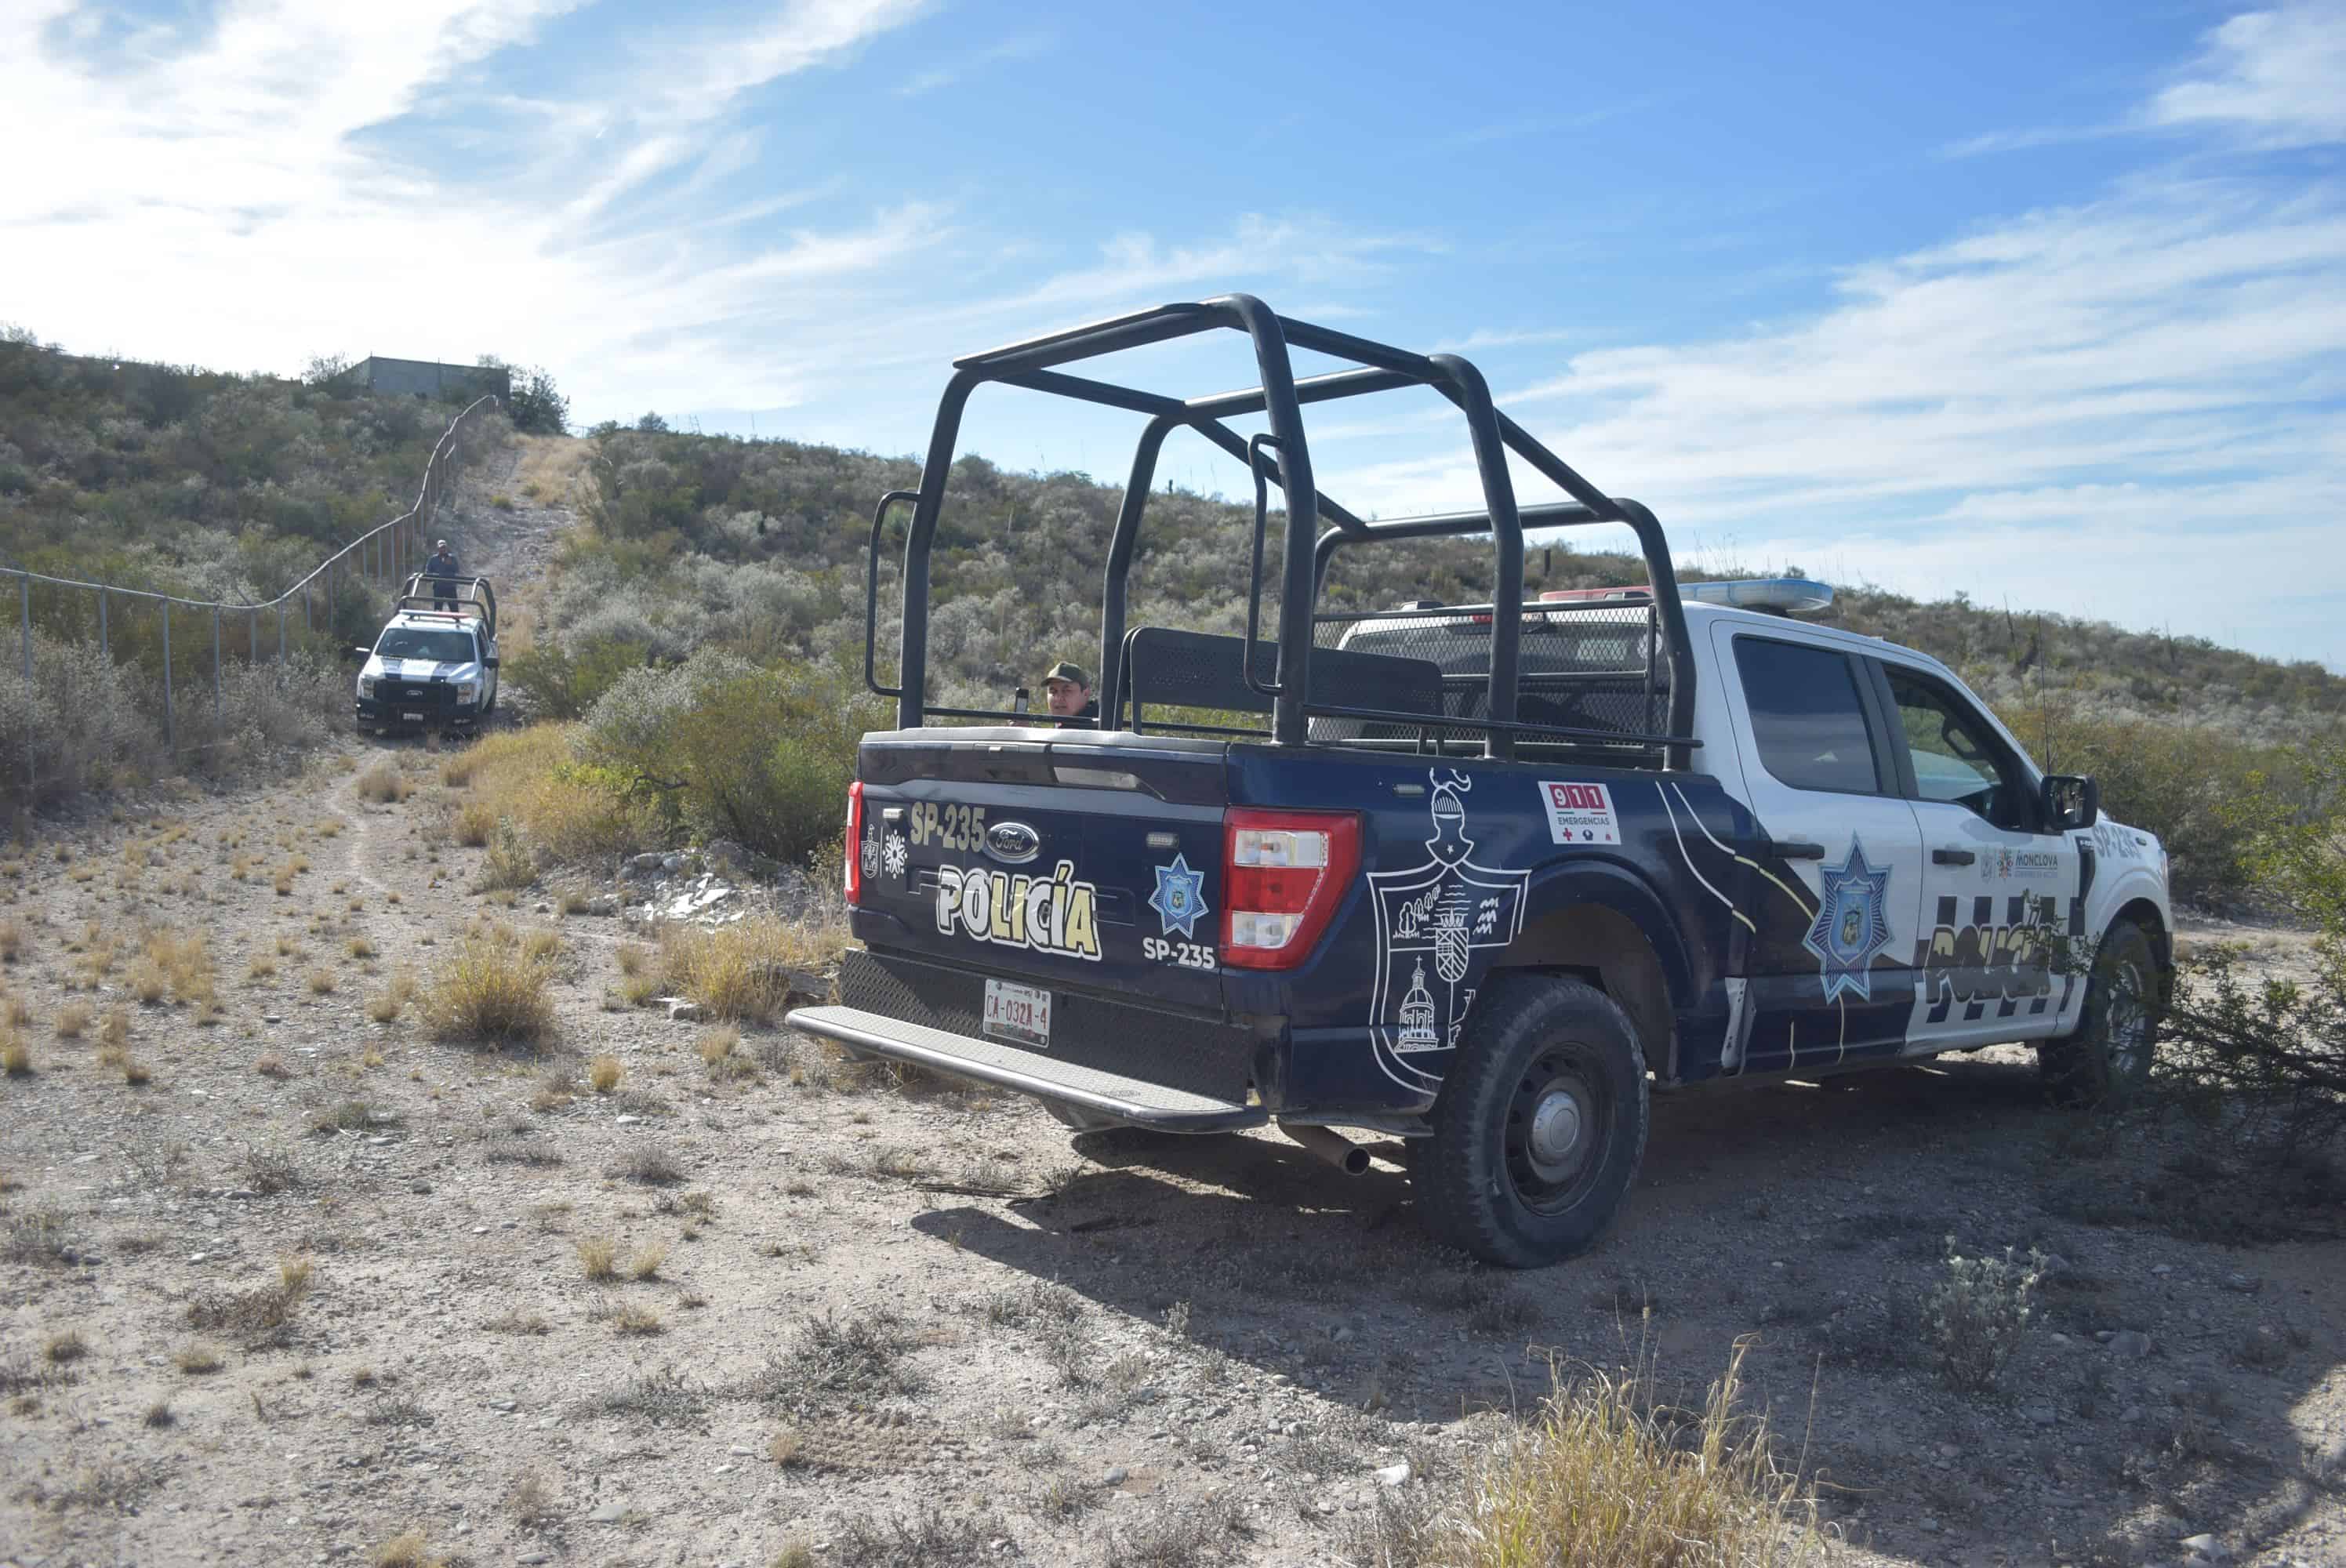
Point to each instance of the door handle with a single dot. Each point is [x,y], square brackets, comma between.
[1795,849]
[1952,857]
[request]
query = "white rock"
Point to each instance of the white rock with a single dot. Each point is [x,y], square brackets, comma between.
[610,1512]
[1391,1474]
[628,1121]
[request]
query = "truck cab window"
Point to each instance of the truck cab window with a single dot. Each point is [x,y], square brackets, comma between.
[1806,716]
[1958,759]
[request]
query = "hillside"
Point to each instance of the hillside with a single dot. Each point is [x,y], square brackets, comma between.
[1019,557]
[193,482]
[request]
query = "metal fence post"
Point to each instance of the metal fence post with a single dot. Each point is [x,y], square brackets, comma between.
[170,719]
[24,603]
[216,661]
[105,649]
[281,634]
[252,637]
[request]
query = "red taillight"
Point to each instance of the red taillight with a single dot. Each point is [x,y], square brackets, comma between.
[854,846]
[1283,874]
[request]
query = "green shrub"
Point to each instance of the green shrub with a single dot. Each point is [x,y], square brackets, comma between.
[564,683]
[2199,790]
[1977,1315]
[763,756]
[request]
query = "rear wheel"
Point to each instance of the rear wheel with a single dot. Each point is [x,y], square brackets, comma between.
[1539,1127]
[2108,1060]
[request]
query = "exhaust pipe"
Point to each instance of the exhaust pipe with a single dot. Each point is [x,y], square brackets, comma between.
[1334,1147]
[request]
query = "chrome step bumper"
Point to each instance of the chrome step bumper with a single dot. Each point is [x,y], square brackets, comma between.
[1133,1100]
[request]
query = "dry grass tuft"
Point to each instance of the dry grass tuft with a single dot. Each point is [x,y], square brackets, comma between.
[15,1056]
[632,1318]
[719,1043]
[383,784]
[73,1020]
[134,1072]
[1608,1479]
[408,1549]
[115,1032]
[65,1346]
[645,1264]
[598,1256]
[270,1064]
[259,1314]
[489,992]
[605,1073]
[12,940]
[474,821]
[359,947]
[198,1361]
[322,981]
[745,970]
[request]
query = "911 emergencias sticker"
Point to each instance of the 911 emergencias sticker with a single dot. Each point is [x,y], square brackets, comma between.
[1580,813]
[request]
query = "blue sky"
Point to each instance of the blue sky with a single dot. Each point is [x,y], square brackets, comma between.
[2047,309]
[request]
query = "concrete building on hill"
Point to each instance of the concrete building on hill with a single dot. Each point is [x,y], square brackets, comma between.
[428,378]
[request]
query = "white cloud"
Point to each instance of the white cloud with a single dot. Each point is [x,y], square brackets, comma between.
[2002,409]
[1025,47]
[2275,78]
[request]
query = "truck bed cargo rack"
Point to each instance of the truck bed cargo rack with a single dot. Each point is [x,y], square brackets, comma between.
[1281,455]
[475,600]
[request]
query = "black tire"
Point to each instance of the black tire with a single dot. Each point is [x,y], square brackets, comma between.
[2108,1060]
[1539,1049]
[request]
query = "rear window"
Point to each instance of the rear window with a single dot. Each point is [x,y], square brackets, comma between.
[439,648]
[1807,716]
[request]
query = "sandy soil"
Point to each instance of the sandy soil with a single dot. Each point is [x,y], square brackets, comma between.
[1195,1353]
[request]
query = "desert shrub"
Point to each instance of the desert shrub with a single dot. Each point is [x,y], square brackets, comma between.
[566,679]
[91,722]
[1606,1477]
[2264,1060]
[1977,1314]
[728,751]
[2187,785]
[531,778]
[742,971]
[487,990]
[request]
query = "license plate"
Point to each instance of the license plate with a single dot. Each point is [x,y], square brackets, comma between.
[416,717]
[1019,1012]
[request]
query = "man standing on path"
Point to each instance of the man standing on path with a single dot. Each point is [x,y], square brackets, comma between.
[442,568]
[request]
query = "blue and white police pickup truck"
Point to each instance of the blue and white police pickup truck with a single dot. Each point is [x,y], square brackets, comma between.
[1477,876]
[434,663]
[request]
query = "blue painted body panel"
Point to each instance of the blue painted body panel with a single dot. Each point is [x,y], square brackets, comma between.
[1456,862]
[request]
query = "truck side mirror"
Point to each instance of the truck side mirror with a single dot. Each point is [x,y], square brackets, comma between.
[490,662]
[2071,802]
[358,653]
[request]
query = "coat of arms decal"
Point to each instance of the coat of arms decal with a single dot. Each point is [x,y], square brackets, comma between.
[1431,919]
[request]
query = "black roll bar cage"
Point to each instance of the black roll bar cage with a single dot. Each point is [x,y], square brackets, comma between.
[1033,364]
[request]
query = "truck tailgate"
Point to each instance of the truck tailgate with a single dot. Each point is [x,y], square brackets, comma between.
[1049,862]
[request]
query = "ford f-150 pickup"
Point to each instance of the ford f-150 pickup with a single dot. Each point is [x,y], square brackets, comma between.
[1475,876]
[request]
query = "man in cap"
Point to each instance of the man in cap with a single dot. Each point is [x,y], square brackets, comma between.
[1067,694]
[441,565]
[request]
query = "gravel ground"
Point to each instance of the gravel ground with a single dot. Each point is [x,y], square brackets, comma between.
[916,1324]
[931,1300]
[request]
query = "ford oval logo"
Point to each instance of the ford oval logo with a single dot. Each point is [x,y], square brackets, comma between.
[1011,843]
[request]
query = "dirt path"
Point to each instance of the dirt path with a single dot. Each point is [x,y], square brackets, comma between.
[1202,1353]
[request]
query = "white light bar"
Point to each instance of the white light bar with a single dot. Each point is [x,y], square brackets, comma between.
[1789,595]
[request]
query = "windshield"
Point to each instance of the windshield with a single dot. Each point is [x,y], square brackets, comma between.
[439,648]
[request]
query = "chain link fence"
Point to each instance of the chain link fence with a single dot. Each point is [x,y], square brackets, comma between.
[356,581]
